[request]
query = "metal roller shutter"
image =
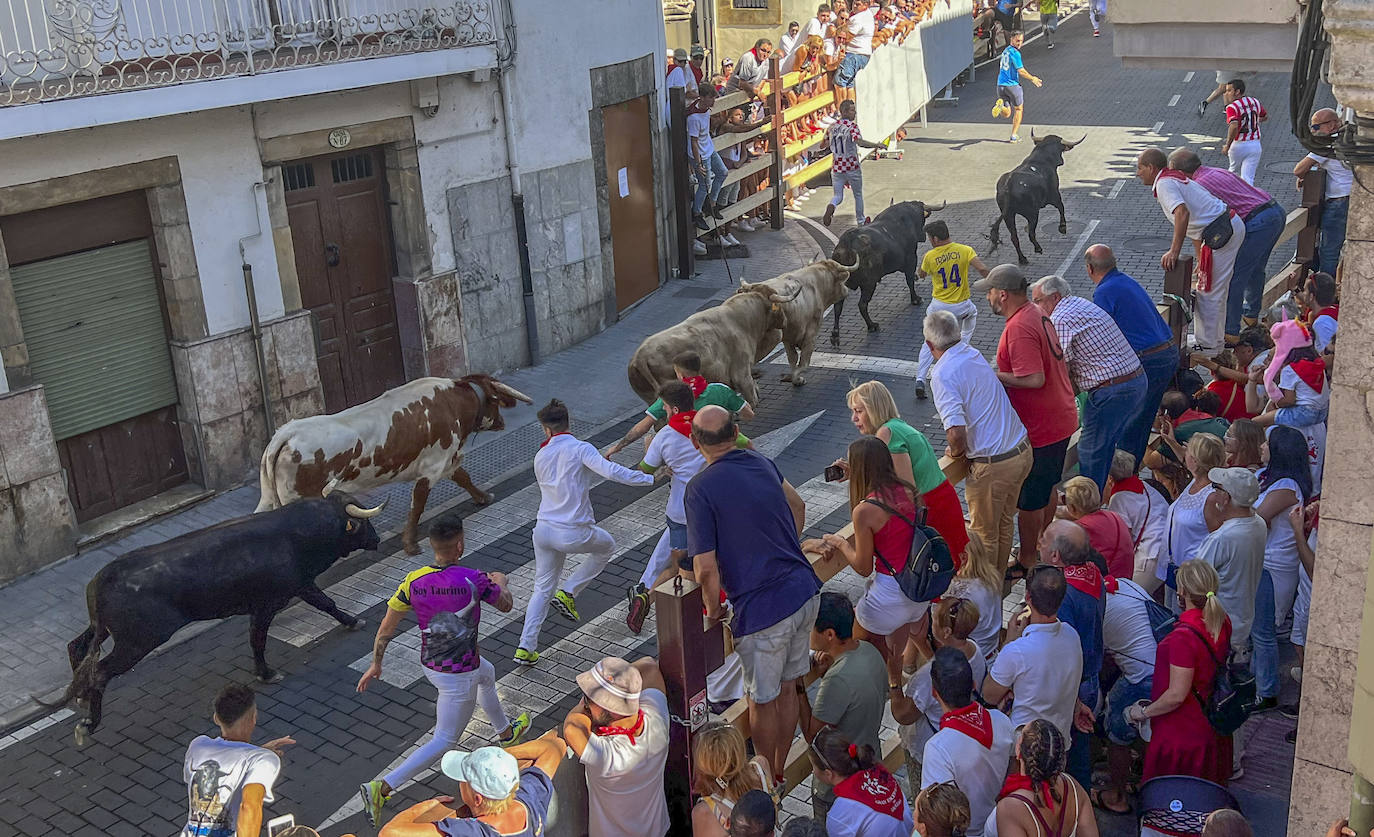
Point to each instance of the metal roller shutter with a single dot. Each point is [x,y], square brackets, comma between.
[93,326]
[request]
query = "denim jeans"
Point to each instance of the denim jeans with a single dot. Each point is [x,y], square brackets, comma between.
[1247,283]
[855,180]
[1332,234]
[1105,416]
[1264,639]
[1080,757]
[1159,370]
[713,184]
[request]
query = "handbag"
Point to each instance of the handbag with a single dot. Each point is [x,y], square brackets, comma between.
[1162,619]
[1233,692]
[1217,234]
[929,565]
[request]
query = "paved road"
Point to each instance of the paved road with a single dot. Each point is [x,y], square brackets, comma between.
[129,780]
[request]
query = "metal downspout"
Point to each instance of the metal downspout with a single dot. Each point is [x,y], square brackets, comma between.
[255,322]
[517,194]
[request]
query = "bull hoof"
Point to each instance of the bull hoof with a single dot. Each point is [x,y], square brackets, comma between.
[755,373]
[798,380]
[269,677]
[1022,260]
[1063,229]
[786,376]
[835,340]
[915,300]
[1039,249]
[355,625]
[481,499]
[872,326]
[412,548]
[82,733]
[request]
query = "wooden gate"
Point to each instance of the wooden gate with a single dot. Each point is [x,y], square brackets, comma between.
[630,188]
[341,233]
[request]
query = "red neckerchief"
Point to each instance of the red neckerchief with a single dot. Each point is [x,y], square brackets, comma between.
[1020,781]
[631,732]
[757,57]
[874,788]
[1191,415]
[1330,311]
[682,422]
[1130,485]
[1164,174]
[554,436]
[973,720]
[1110,584]
[1086,578]
[1312,372]
[697,383]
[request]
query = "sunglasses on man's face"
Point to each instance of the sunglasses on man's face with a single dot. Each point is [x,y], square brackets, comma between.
[1317,126]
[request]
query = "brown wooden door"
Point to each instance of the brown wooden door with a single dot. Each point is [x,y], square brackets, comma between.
[630,186]
[342,237]
[122,463]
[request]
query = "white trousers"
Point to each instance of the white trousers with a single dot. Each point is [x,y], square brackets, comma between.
[453,710]
[1096,9]
[1209,312]
[1245,156]
[553,543]
[965,312]
[658,561]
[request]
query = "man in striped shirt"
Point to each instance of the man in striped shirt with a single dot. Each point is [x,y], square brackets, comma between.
[1243,117]
[1102,364]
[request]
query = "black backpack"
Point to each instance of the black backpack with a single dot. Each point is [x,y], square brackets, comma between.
[929,565]
[1232,692]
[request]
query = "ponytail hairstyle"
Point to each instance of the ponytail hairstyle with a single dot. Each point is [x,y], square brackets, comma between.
[944,810]
[958,616]
[1197,587]
[980,563]
[1043,755]
[830,750]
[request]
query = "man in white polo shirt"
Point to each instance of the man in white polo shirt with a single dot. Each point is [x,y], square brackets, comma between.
[972,746]
[1191,209]
[1336,201]
[1042,662]
[980,424]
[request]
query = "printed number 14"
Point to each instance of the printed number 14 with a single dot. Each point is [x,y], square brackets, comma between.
[952,277]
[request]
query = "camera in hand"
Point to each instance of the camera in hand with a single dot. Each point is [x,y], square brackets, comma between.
[834,473]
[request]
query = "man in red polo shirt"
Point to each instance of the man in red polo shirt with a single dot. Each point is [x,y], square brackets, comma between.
[1030,364]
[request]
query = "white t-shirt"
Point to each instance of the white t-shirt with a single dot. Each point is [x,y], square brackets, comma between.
[1338,176]
[1236,550]
[978,771]
[988,634]
[1043,667]
[812,27]
[625,781]
[788,43]
[861,28]
[675,450]
[1323,332]
[699,132]
[1150,512]
[1185,530]
[848,818]
[1126,631]
[967,393]
[1281,546]
[1203,206]
[677,77]
[919,689]
[1307,397]
[216,772]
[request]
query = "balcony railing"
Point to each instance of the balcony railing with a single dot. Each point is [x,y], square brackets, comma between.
[59,49]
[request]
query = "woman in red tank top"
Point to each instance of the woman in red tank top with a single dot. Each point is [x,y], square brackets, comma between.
[883,507]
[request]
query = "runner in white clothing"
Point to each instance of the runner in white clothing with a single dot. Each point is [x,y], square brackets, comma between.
[1243,117]
[565,523]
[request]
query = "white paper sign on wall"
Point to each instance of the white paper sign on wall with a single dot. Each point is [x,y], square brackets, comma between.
[624,178]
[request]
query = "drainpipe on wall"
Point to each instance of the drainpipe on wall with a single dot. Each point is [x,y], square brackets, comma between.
[505,64]
[253,319]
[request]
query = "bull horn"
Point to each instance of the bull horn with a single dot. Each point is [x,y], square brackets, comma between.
[511,391]
[848,268]
[1069,146]
[329,487]
[929,212]
[362,513]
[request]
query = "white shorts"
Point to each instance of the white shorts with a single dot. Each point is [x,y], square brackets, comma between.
[883,608]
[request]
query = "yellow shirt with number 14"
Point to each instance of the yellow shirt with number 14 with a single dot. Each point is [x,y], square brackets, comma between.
[948,268]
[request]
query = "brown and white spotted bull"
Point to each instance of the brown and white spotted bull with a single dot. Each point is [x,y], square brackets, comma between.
[730,338]
[807,292]
[413,432]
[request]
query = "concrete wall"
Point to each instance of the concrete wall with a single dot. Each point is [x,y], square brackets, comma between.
[901,78]
[36,522]
[1259,34]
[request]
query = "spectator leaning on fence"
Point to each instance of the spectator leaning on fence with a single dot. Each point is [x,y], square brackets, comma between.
[858,48]
[710,169]
[1336,200]
[752,69]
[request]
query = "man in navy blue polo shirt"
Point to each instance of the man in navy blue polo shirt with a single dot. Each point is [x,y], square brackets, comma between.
[1138,318]
[743,520]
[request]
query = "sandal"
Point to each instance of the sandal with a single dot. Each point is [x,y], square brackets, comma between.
[1096,796]
[1015,572]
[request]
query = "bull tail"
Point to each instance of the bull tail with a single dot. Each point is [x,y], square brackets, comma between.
[84,677]
[267,474]
[992,234]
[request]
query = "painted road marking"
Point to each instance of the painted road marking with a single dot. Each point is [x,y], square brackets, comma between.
[1174,100]
[1188,76]
[1158,126]
[1077,252]
[1116,190]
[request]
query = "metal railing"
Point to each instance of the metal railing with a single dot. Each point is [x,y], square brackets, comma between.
[60,49]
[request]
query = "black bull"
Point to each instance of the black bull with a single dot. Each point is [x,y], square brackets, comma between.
[1028,188]
[887,245]
[249,566]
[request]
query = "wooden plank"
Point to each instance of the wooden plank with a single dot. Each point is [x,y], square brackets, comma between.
[736,175]
[738,209]
[811,105]
[725,141]
[814,170]
[792,149]
[730,100]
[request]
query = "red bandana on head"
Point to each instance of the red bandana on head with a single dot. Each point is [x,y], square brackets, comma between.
[554,436]
[1312,372]
[629,732]
[682,422]
[697,383]
[1086,578]
[973,720]
[874,788]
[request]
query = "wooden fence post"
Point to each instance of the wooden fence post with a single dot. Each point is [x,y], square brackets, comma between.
[775,206]
[682,208]
[686,652]
[1179,283]
[1313,196]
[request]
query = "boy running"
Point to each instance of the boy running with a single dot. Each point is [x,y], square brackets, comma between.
[1010,96]
[447,600]
[947,263]
[845,142]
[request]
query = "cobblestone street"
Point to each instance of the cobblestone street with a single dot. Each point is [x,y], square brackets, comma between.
[128,781]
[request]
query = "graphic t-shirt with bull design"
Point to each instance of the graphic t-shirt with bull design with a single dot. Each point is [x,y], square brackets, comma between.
[216,772]
[447,603]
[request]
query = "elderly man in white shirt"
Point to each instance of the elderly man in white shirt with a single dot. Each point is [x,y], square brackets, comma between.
[565,524]
[1145,512]
[972,746]
[1336,200]
[1042,661]
[980,424]
[1101,363]
[1192,209]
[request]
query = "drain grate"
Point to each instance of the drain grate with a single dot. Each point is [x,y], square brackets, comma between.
[1281,168]
[1148,244]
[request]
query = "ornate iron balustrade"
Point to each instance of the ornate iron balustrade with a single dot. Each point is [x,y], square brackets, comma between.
[60,49]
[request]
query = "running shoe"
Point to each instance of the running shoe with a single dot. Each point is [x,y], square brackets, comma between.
[526,658]
[1202,107]
[518,728]
[829,214]
[997,109]
[1049,45]
[564,604]
[1014,138]
[920,390]
[1097,33]
[373,800]
[639,608]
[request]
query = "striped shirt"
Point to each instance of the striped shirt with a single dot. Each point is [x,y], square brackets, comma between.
[1247,112]
[1094,347]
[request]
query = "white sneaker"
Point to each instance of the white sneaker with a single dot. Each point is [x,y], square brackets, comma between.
[698,249]
[730,240]
[747,224]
